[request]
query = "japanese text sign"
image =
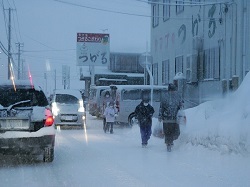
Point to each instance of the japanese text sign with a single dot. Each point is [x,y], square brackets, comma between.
[92,49]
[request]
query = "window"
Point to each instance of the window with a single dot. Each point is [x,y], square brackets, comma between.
[165,72]
[66,99]
[166,10]
[155,73]
[211,60]
[155,15]
[179,7]
[131,94]
[178,64]
[195,2]
[191,70]
[135,94]
[21,97]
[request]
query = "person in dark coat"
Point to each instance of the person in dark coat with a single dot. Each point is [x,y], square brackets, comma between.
[144,112]
[169,107]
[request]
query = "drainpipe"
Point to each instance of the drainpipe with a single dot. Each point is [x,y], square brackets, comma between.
[244,38]
[233,49]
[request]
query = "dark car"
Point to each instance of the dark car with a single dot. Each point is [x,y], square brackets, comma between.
[26,121]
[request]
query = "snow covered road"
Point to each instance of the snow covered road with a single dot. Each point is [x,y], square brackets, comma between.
[97,159]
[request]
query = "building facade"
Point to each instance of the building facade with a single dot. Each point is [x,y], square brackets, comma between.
[205,41]
[122,69]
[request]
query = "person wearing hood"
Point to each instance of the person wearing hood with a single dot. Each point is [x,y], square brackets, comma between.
[107,99]
[169,107]
[144,112]
[110,113]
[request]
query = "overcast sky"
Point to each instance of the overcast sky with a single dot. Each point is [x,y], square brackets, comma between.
[48,29]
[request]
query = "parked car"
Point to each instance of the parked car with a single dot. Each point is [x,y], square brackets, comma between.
[68,108]
[26,121]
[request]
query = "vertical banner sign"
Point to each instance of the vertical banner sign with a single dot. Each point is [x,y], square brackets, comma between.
[65,76]
[92,49]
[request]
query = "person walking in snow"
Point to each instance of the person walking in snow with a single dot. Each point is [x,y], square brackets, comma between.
[144,112]
[169,108]
[106,100]
[110,113]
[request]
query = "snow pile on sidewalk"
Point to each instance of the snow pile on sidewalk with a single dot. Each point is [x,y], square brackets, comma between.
[223,124]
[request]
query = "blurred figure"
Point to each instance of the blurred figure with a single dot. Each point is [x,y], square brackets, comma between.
[144,112]
[169,108]
[109,114]
[107,99]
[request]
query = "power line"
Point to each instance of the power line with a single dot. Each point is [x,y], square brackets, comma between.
[46,57]
[5,21]
[183,3]
[100,9]
[17,21]
[38,42]
[141,15]
[5,51]
[55,50]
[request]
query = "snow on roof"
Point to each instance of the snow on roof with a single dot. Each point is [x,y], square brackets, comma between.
[25,83]
[96,87]
[104,70]
[106,79]
[179,75]
[73,92]
[127,87]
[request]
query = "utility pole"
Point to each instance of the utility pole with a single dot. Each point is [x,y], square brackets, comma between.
[55,79]
[19,45]
[9,44]
[23,69]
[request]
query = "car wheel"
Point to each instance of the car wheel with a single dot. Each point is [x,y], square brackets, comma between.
[48,155]
[132,120]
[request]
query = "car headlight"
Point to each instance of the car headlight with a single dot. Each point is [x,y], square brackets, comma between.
[55,109]
[81,108]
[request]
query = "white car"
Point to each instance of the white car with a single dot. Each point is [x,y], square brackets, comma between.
[26,121]
[68,108]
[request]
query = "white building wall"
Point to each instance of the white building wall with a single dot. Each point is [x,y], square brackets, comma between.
[247,42]
[223,26]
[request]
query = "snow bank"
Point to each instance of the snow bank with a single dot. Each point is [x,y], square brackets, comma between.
[222,124]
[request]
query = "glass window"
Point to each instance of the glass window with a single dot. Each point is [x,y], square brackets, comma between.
[155,73]
[166,10]
[135,94]
[179,7]
[179,64]
[165,72]
[66,99]
[194,2]
[155,8]
[131,94]
[157,95]
[8,96]
[212,63]
[92,93]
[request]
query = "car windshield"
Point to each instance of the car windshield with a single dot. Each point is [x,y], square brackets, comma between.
[10,96]
[66,99]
